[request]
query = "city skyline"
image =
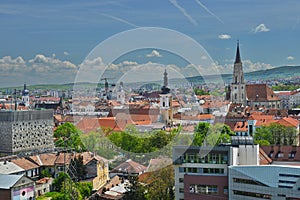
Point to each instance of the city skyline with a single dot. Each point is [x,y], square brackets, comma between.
[46,42]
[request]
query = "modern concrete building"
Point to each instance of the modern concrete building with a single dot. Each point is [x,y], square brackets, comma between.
[264,182]
[202,172]
[22,131]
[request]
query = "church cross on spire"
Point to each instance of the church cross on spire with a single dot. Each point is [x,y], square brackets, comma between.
[238,56]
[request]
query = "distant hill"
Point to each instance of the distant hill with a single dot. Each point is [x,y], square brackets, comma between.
[268,74]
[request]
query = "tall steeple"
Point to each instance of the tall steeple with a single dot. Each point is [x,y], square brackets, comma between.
[238,56]
[238,86]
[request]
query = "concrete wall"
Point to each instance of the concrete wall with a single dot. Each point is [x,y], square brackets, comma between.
[26,130]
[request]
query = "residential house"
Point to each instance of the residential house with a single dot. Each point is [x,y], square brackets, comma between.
[96,168]
[129,167]
[32,170]
[16,187]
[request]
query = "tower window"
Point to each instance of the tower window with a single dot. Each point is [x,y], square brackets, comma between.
[164,104]
[236,79]
[235,96]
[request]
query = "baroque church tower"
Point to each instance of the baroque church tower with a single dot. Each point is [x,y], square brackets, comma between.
[166,102]
[238,86]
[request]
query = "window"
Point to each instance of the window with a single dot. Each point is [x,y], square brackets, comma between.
[292,154]
[290,175]
[251,194]
[225,190]
[204,189]
[235,96]
[180,180]
[181,190]
[248,181]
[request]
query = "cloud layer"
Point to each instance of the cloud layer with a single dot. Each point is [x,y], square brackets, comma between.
[44,69]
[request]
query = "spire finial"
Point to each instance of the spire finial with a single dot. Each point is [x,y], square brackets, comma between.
[238,56]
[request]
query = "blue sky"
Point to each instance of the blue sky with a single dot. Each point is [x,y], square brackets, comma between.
[48,40]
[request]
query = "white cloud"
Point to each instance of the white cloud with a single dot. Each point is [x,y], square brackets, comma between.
[290,58]
[40,69]
[248,66]
[224,36]
[9,64]
[154,53]
[66,53]
[260,28]
[42,63]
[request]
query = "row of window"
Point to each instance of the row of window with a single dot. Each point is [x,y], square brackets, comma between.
[209,158]
[204,189]
[252,194]
[247,181]
[200,170]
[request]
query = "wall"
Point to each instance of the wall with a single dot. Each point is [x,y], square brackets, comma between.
[26,130]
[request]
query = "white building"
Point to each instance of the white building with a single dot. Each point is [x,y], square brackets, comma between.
[264,182]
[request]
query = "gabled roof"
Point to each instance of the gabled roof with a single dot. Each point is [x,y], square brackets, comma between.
[241,127]
[260,92]
[46,159]
[129,167]
[25,164]
[7,167]
[289,121]
[264,158]
[8,181]
[158,163]
[89,156]
[64,158]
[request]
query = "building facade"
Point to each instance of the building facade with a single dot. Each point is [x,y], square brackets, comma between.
[264,182]
[22,131]
[202,172]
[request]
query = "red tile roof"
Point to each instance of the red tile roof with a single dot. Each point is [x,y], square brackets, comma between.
[241,127]
[130,167]
[272,152]
[264,158]
[47,159]
[25,164]
[260,92]
[289,121]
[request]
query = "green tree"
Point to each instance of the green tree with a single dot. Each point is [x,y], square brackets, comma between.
[201,130]
[275,134]
[97,142]
[58,182]
[85,189]
[45,173]
[68,135]
[162,184]
[211,134]
[135,191]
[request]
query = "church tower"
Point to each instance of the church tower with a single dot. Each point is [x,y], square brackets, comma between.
[166,102]
[25,96]
[238,86]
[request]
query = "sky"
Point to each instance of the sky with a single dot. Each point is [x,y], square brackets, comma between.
[45,42]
